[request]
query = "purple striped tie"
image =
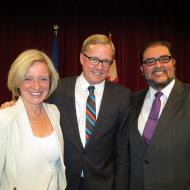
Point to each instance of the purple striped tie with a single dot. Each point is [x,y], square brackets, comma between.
[90,113]
[152,118]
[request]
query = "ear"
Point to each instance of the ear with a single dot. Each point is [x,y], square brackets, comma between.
[81,58]
[142,71]
[173,60]
[18,90]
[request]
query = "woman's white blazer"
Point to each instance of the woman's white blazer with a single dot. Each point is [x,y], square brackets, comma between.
[22,164]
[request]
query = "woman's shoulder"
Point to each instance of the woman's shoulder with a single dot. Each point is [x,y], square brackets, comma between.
[13,111]
[51,107]
[8,112]
[7,115]
[52,111]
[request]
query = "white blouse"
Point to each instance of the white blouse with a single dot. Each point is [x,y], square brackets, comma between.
[50,148]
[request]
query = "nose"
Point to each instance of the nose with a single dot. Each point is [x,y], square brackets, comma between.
[157,64]
[99,65]
[36,84]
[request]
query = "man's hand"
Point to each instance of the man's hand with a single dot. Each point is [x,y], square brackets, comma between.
[7,104]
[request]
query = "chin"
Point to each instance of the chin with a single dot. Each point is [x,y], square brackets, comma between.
[96,81]
[158,84]
[39,101]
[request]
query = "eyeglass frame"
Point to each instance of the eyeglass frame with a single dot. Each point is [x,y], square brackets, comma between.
[103,62]
[157,59]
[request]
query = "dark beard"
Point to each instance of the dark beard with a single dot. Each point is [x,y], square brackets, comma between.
[158,86]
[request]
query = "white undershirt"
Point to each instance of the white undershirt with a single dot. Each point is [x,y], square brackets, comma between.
[49,146]
[148,103]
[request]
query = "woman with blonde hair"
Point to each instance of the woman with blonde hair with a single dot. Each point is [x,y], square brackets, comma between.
[31,141]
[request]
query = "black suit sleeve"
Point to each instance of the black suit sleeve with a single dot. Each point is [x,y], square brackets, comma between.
[122,151]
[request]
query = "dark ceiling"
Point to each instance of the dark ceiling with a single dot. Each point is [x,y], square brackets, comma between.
[51,8]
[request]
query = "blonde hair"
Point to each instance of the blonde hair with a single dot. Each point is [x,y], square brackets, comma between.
[20,66]
[98,39]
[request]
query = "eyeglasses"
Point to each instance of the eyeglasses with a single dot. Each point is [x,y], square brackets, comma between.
[161,59]
[95,61]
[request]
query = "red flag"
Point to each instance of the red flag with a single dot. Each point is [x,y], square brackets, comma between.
[112,75]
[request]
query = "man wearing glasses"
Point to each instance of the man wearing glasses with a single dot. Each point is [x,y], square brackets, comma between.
[94,131]
[159,125]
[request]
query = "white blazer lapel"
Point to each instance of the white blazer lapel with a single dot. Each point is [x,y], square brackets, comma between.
[26,147]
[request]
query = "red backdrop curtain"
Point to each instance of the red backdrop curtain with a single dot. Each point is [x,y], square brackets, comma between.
[130,30]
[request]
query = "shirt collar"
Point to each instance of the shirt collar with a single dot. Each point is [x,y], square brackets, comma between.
[166,90]
[85,84]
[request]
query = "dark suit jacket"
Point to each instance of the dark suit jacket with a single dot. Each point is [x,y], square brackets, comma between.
[103,160]
[165,164]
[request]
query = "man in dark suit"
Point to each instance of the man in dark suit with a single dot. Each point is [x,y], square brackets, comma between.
[160,161]
[101,164]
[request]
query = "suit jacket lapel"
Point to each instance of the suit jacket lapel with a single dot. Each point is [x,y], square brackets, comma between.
[70,113]
[56,126]
[173,103]
[137,103]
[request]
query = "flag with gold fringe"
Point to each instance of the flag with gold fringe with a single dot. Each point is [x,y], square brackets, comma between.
[112,76]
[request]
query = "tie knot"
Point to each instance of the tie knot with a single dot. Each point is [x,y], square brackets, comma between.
[158,94]
[91,89]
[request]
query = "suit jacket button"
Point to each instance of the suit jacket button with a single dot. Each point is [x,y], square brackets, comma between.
[146,162]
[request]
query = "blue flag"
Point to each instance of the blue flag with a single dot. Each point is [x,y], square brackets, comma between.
[55,51]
